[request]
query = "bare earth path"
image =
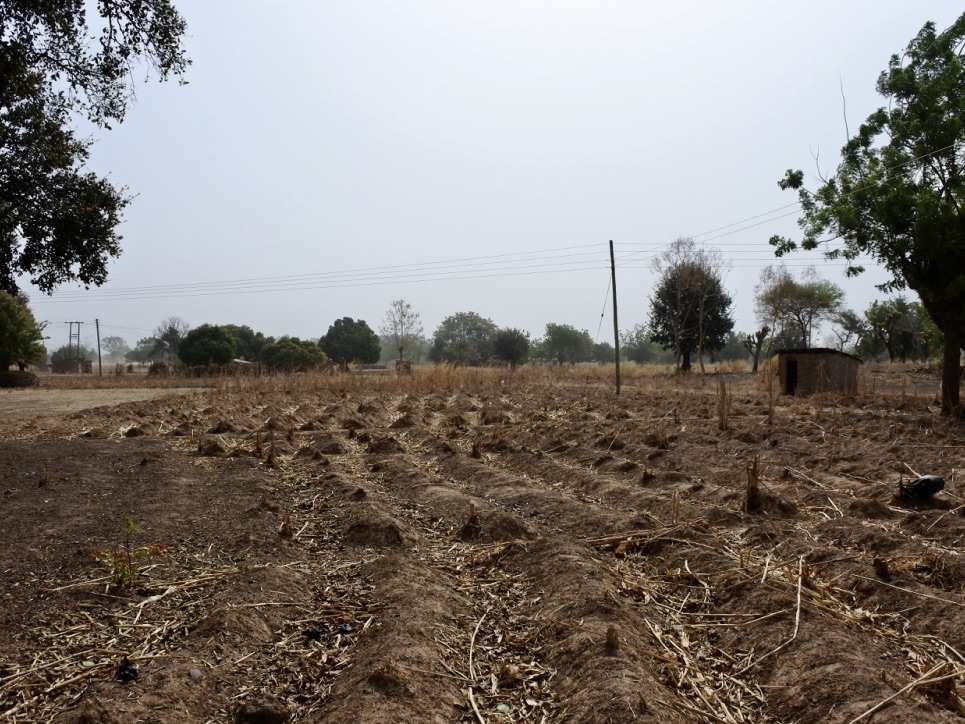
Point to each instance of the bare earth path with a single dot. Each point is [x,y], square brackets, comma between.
[39,402]
[506,550]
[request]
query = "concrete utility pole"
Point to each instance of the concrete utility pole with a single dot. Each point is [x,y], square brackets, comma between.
[616,326]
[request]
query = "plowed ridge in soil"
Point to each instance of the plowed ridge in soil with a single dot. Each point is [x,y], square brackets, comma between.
[514,552]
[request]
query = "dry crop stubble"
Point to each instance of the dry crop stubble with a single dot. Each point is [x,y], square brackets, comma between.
[525,547]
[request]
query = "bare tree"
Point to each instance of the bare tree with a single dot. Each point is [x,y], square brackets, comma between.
[402,325]
[168,336]
[754,343]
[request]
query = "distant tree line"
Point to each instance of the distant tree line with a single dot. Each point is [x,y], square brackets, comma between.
[690,322]
[896,197]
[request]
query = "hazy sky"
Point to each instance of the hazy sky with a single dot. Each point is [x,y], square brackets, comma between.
[328,158]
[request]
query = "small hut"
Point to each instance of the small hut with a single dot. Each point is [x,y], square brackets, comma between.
[807,371]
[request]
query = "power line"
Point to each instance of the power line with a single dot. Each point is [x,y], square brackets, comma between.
[179,293]
[347,278]
[476,267]
[606,296]
[427,267]
[174,293]
[586,262]
[750,218]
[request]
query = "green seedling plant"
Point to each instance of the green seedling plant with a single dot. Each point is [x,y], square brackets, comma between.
[124,561]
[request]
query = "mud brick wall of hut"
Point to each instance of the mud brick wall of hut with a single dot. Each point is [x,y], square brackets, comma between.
[806,372]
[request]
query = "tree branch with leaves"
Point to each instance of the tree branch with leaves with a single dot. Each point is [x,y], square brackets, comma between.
[898,192]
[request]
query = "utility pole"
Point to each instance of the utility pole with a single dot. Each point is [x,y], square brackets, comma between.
[100,369]
[70,343]
[616,326]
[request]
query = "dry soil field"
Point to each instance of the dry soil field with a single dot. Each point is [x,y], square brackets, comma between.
[478,546]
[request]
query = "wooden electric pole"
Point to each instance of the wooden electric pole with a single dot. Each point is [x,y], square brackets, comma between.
[73,345]
[100,369]
[616,326]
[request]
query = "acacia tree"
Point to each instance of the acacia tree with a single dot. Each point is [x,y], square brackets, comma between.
[58,221]
[847,327]
[899,190]
[898,327]
[690,310]
[795,307]
[402,325]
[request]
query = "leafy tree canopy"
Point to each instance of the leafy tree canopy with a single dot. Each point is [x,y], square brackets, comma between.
[208,344]
[351,341]
[690,310]
[94,58]
[144,351]
[248,343]
[464,338]
[636,346]
[21,337]
[899,190]
[794,308]
[604,352]
[566,344]
[67,352]
[898,327]
[291,354]
[511,346]
[732,350]
[57,221]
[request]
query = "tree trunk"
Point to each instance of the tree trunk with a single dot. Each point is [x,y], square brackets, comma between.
[951,371]
[701,318]
[754,343]
[685,361]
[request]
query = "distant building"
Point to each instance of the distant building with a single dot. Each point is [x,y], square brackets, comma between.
[804,372]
